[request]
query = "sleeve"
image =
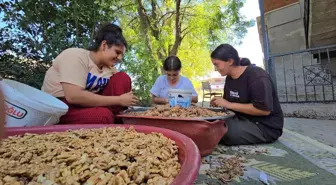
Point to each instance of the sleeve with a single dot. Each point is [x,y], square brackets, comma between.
[226,89]
[190,86]
[72,67]
[261,94]
[157,86]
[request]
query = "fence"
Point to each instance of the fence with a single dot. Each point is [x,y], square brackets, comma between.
[306,75]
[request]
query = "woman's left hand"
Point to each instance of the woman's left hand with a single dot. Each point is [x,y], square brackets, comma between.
[220,102]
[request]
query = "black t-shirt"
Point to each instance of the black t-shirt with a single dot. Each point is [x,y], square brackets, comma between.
[255,86]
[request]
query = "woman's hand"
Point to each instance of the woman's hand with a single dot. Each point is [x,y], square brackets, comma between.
[128,99]
[159,101]
[220,102]
[166,101]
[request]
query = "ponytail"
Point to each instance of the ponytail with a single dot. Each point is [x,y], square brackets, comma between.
[245,62]
[111,33]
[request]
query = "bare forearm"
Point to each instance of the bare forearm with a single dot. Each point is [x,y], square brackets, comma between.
[89,99]
[158,100]
[248,109]
[194,99]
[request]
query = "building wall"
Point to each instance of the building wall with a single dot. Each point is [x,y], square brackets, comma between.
[322,23]
[284,25]
[286,32]
[270,5]
[286,29]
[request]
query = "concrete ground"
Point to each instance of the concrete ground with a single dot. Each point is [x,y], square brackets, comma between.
[323,131]
[308,146]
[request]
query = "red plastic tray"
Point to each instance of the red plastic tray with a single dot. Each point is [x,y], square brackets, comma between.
[204,133]
[189,156]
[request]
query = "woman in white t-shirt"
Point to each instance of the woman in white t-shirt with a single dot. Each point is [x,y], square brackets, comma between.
[88,82]
[171,80]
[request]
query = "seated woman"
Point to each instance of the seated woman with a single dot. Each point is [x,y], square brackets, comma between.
[87,81]
[250,93]
[172,80]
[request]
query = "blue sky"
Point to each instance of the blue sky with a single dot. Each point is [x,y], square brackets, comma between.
[1,23]
[251,47]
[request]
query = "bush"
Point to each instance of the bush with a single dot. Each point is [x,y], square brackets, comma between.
[27,71]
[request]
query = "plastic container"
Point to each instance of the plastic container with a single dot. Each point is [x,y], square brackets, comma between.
[206,134]
[181,97]
[28,106]
[189,156]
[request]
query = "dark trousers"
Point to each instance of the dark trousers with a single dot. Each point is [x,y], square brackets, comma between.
[242,131]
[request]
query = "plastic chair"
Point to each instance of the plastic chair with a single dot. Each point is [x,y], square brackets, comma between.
[207,87]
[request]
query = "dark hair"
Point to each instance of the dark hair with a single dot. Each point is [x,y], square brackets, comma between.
[111,33]
[172,63]
[245,62]
[225,52]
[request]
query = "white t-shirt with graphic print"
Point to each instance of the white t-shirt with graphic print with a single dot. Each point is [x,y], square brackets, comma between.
[74,66]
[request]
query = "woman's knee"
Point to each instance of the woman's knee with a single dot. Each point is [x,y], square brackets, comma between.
[120,75]
[231,136]
[120,83]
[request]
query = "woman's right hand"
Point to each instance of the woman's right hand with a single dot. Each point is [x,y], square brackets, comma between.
[212,101]
[160,101]
[128,99]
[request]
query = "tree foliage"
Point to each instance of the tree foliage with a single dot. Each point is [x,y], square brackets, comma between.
[39,30]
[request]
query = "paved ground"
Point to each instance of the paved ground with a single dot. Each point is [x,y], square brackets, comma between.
[281,165]
[323,131]
[305,154]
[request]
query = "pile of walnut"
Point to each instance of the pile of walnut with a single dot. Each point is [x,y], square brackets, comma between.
[111,156]
[167,111]
[229,169]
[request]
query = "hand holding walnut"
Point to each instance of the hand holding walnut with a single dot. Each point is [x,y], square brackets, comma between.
[128,99]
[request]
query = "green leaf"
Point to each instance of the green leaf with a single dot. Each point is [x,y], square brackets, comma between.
[40,30]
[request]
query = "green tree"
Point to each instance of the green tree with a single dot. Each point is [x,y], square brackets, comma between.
[42,29]
[39,30]
[189,29]
[35,32]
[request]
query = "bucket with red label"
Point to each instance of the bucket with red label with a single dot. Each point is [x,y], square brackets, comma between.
[28,106]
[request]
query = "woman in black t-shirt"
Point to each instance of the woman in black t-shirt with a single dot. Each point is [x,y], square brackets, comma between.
[250,93]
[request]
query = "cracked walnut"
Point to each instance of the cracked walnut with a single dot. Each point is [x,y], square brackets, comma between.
[106,156]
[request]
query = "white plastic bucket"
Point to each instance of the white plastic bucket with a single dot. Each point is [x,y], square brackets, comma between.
[28,106]
[180,97]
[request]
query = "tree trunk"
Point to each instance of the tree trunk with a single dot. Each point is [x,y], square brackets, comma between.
[144,24]
[178,25]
